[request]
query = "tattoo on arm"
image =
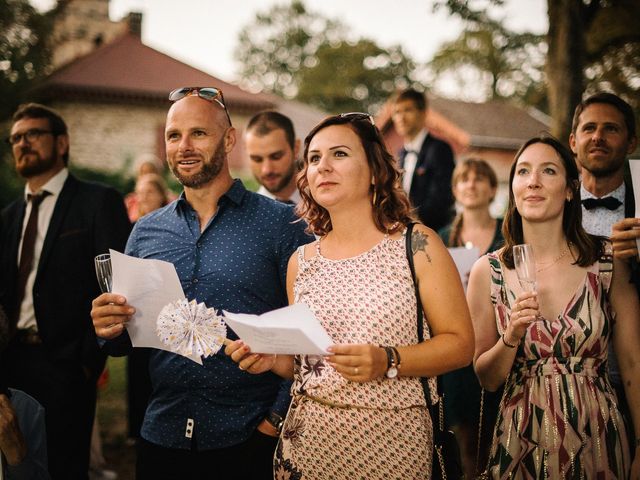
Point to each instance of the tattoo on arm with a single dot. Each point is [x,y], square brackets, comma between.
[419,242]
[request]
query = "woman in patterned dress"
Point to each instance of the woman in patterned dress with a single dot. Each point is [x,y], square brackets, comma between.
[558,416]
[351,417]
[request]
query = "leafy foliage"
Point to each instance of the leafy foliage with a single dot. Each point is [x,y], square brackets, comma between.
[591,45]
[354,76]
[297,53]
[494,62]
[24,54]
[281,42]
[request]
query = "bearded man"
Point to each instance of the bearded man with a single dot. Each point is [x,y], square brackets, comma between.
[49,239]
[230,248]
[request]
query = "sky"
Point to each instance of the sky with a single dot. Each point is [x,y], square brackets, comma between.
[204,33]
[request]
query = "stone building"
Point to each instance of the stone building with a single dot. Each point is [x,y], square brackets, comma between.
[112,90]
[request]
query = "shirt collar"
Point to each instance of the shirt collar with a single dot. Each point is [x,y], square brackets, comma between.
[53,186]
[295,196]
[416,144]
[235,193]
[618,193]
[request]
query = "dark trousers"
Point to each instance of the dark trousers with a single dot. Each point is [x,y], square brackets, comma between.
[138,388]
[68,398]
[251,460]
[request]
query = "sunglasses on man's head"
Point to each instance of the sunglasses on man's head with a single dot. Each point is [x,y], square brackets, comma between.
[211,94]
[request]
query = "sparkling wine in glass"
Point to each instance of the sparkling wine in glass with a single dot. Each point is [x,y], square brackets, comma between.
[525,266]
[103,271]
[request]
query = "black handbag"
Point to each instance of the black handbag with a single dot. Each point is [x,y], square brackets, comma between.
[446,461]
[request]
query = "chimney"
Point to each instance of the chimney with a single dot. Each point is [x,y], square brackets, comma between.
[135,23]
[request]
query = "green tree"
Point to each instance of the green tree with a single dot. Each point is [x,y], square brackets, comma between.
[24,54]
[354,76]
[24,58]
[296,53]
[494,62]
[591,45]
[279,43]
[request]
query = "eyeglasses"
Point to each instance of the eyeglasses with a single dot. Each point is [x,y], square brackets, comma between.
[30,136]
[211,94]
[358,116]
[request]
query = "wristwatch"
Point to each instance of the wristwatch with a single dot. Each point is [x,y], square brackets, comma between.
[392,369]
[276,421]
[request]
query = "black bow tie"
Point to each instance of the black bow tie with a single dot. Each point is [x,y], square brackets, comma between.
[609,203]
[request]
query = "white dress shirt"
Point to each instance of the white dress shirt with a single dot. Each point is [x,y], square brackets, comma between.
[27,318]
[411,158]
[295,196]
[599,221]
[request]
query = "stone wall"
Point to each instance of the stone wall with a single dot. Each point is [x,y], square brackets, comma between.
[110,137]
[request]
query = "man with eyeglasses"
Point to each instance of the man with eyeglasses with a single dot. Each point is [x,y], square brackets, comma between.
[427,161]
[230,248]
[273,149]
[49,239]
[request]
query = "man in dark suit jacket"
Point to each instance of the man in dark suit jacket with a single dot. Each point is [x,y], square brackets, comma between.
[48,282]
[427,161]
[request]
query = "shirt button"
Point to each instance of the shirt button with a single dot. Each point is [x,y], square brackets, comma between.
[195,280]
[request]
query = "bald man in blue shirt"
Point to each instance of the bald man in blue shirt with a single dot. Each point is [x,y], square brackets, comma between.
[230,248]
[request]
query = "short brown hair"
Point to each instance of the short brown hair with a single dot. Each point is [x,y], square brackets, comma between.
[56,123]
[610,99]
[392,205]
[411,94]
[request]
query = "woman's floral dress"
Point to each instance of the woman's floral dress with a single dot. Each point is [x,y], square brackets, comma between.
[338,429]
[558,416]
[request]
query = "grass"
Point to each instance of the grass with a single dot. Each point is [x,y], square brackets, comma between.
[112,417]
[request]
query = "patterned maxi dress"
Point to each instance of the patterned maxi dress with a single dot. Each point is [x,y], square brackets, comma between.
[338,429]
[559,417]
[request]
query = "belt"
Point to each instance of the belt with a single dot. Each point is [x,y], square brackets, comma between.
[28,336]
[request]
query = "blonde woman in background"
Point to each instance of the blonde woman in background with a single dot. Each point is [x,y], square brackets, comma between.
[467,407]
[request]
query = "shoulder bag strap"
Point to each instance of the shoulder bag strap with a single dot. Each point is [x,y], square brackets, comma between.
[420,321]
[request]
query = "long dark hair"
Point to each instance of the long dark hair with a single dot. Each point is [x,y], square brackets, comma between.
[391,203]
[589,247]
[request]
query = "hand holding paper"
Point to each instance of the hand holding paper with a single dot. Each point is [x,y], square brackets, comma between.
[292,330]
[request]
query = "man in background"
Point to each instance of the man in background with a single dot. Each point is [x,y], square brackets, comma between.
[273,150]
[603,133]
[49,240]
[427,161]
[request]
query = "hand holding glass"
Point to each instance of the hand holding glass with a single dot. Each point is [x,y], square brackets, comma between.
[103,272]
[525,266]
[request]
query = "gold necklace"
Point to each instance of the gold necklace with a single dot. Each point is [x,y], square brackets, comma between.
[555,260]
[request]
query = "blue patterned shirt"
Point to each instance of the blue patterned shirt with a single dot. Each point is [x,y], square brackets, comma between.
[239,264]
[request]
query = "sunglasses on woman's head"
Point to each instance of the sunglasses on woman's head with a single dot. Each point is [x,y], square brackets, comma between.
[358,116]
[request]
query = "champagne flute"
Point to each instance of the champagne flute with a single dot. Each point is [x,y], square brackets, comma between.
[103,272]
[525,266]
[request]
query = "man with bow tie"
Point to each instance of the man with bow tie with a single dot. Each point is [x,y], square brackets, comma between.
[603,133]
[427,161]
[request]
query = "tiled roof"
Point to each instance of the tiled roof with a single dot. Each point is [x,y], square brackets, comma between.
[128,69]
[492,124]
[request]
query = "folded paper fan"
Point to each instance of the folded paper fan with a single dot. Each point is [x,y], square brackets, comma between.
[189,327]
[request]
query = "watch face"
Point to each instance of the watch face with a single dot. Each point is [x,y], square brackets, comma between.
[392,372]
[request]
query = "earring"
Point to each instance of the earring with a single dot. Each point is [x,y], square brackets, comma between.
[375,197]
